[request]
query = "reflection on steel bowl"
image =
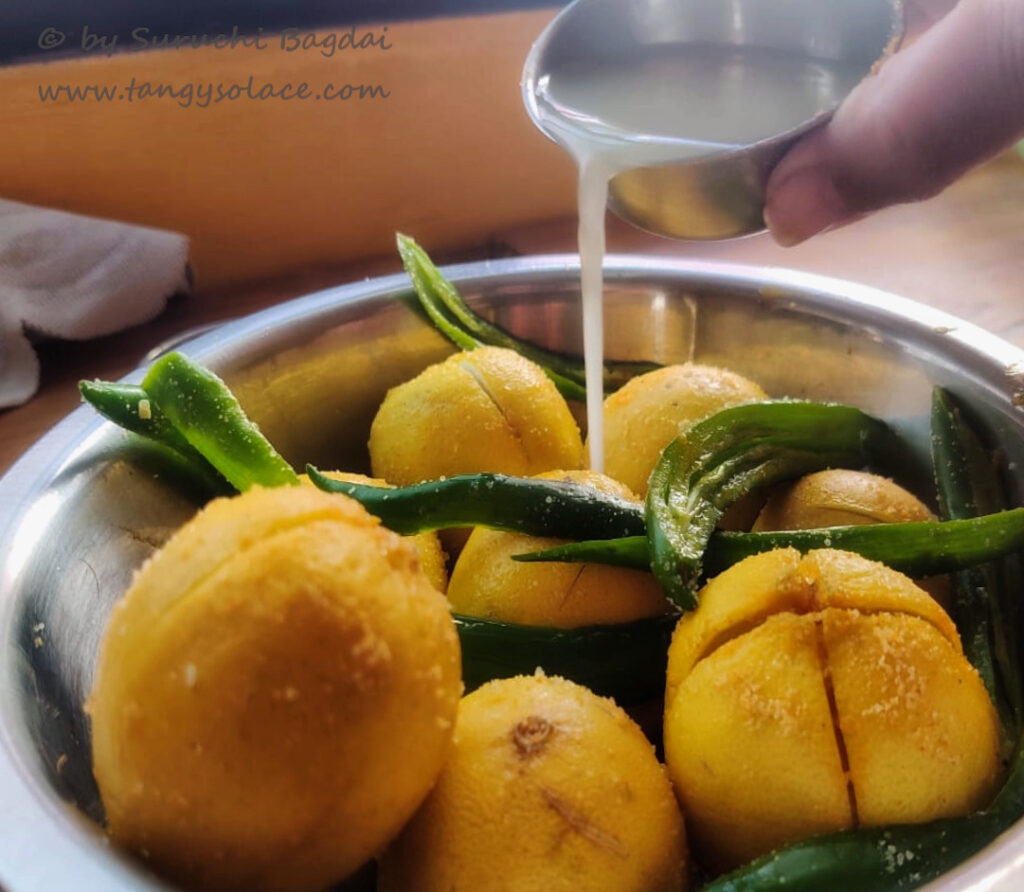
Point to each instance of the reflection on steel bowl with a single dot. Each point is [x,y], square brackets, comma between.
[88,504]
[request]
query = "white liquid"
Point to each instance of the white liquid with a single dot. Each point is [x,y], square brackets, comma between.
[593,196]
[663,104]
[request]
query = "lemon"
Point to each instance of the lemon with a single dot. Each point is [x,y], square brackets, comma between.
[651,410]
[486,410]
[815,693]
[549,787]
[486,582]
[433,559]
[841,497]
[275,694]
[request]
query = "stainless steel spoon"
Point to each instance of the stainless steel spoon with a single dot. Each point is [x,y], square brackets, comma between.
[719,194]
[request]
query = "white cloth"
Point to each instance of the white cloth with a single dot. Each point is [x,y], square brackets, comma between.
[73,277]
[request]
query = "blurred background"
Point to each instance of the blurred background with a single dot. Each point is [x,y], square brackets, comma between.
[437,143]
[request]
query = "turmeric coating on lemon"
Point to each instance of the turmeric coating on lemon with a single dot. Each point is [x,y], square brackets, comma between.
[487,583]
[433,559]
[843,497]
[275,694]
[651,410]
[484,410]
[549,787]
[839,497]
[815,693]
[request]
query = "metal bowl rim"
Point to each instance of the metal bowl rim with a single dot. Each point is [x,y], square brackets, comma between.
[31,812]
[531,74]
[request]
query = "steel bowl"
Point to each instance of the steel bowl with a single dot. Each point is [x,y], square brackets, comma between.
[88,503]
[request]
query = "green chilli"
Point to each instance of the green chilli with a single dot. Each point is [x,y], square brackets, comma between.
[918,549]
[718,460]
[452,316]
[985,602]
[207,414]
[626,660]
[554,508]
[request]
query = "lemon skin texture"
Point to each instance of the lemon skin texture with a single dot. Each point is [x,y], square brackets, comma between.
[484,410]
[487,583]
[432,556]
[651,410]
[815,693]
[275,694]
[842,497]
[549,787]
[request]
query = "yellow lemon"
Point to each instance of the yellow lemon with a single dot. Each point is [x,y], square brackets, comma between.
[486,582]
[818,693]
[839,497]
[486,410]
[275,694]
[428,545]
[651,410]
[549,787]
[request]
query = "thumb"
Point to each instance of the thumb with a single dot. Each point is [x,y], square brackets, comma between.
[937,108]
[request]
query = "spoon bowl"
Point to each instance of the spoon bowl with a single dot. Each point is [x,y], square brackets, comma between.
[692,103]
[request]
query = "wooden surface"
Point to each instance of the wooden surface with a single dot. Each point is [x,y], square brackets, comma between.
[962,252]
[262,186]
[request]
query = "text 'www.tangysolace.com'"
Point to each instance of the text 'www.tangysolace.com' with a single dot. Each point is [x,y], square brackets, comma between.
[200,94]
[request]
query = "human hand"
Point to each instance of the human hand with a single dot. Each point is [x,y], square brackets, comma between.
[950,100]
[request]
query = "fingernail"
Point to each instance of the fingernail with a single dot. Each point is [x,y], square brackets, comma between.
[803,204]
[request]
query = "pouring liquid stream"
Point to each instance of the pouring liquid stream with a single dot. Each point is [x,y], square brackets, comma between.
[666,105]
